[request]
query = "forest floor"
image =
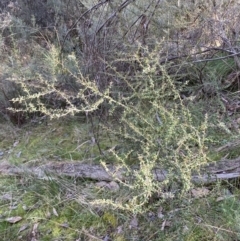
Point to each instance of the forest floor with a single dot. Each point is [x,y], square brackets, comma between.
[59,207]
[148,85]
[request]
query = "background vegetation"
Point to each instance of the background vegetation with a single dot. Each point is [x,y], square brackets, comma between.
[137,84]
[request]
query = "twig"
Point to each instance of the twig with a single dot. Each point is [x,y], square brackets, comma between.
[76,22]
[223,57]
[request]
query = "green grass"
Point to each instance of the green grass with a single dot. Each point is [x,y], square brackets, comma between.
[65,139]
[47,203]
[59,208]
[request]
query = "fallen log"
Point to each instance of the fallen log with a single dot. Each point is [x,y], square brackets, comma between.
[221,170]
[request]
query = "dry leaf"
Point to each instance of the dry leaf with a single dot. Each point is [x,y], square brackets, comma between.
[113,186]
[165,224]
[64,225]
[15,143]
[6,196]
[24,207]
[220,199]
[199,192]
[35,226]
[185,229]
[34,232]
[106,238]
[13,219]
[15,206]
[23,227]
[48,214]
[133,223]
[159,212]
[120,229]
[151,216]
[18,154]
[55,212]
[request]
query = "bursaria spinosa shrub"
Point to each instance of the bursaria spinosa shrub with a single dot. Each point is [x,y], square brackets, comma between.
[155,129]
[158,132]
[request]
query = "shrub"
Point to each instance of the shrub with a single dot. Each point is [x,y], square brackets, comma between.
[140,85]
[155,128]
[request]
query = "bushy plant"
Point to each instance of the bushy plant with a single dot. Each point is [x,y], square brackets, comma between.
[155,129]
[137,86]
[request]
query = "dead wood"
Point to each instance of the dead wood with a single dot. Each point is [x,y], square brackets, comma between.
[224,169]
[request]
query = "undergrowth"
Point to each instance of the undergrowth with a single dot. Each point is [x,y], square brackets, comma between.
[120,87]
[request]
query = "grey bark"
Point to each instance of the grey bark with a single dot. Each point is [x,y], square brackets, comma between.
[224,169]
